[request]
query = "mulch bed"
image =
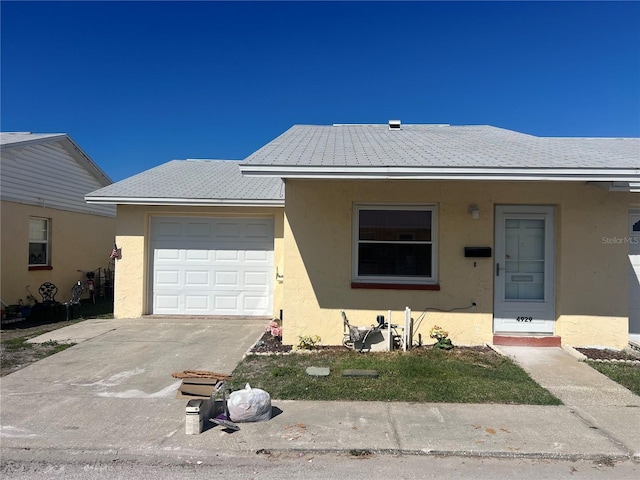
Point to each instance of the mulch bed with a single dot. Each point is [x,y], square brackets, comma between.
[270,344]
[607,354]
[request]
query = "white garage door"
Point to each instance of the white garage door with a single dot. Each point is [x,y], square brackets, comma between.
[212,266]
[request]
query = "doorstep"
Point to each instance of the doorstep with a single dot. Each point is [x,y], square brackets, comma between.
[527,341]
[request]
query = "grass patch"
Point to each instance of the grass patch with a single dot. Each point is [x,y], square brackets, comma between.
[17,353]
[626,374]
[421,375]
[47,348]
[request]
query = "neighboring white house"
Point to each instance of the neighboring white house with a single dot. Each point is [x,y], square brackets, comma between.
[49,232]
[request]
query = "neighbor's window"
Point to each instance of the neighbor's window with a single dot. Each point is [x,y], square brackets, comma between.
[39,234]
[395,244]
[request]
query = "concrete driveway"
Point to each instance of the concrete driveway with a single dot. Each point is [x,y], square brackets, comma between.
[110,389]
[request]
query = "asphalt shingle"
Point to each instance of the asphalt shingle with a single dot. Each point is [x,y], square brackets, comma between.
[10,138]
[197,180]
[423,146]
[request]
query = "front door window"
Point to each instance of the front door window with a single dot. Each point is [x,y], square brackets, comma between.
[524,259]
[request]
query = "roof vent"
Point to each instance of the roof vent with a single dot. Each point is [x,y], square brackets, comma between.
[395,125]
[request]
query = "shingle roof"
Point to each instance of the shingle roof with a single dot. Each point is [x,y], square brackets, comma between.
[427,146]
[18,140]
[194,182]
[10,138]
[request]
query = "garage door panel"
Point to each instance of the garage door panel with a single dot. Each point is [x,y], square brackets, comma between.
[227,279]
[169,302]
[212,266]
[256,279]
[227,230]
[195,229]
[197,256]
[197,303]
[167,228]
[167,254]
[197,278]
[257,256]
[226,303]
[257,231]
[222,256]
[168,278]
[254,303]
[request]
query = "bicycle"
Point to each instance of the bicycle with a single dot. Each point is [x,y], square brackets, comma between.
[90,282]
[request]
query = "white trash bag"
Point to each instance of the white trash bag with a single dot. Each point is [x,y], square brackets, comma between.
[249,405]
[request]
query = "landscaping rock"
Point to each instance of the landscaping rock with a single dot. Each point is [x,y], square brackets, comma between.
[318,371]
[360,373]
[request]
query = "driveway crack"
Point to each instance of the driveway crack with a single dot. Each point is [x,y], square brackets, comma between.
[394,428]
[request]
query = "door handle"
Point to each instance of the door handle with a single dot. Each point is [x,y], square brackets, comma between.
[497,269]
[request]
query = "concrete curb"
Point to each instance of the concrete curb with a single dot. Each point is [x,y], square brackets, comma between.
[210,456]
[496,349]
[574,353]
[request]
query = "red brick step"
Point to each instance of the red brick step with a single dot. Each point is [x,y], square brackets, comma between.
[527,341]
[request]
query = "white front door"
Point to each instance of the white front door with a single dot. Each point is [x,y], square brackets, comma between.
[634,275]
[524,270]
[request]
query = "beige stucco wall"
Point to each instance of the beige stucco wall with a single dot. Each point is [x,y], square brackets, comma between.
[79,242]
[590,276]
[132,283]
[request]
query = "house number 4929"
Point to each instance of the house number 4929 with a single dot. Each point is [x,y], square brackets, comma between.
[524,319]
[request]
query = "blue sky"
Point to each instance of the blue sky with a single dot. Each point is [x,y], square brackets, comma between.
[139,84]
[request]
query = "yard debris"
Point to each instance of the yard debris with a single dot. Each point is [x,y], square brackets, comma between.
[202,374]
[200,383]
[249,405]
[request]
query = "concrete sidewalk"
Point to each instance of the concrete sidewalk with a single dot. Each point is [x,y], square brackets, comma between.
[600,402]
[111,396]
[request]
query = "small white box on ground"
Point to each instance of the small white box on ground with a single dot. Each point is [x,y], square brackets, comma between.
[375,342]
[195,413]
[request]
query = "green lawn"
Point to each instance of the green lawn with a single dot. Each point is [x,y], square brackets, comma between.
[422,375]
[627,375]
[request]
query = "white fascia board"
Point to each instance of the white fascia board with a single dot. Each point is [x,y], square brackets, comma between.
[199,202]
[447,173]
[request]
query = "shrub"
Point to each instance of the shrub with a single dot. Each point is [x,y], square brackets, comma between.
[308,342]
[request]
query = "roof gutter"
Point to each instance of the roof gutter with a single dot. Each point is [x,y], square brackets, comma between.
[447,173]
[201,202]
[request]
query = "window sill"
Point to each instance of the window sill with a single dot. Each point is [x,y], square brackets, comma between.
[40,267]
[395,286]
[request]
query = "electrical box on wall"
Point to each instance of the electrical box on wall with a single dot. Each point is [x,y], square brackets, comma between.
[477,252]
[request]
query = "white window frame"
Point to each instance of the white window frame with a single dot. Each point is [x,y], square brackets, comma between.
[396,279]
[46,242]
